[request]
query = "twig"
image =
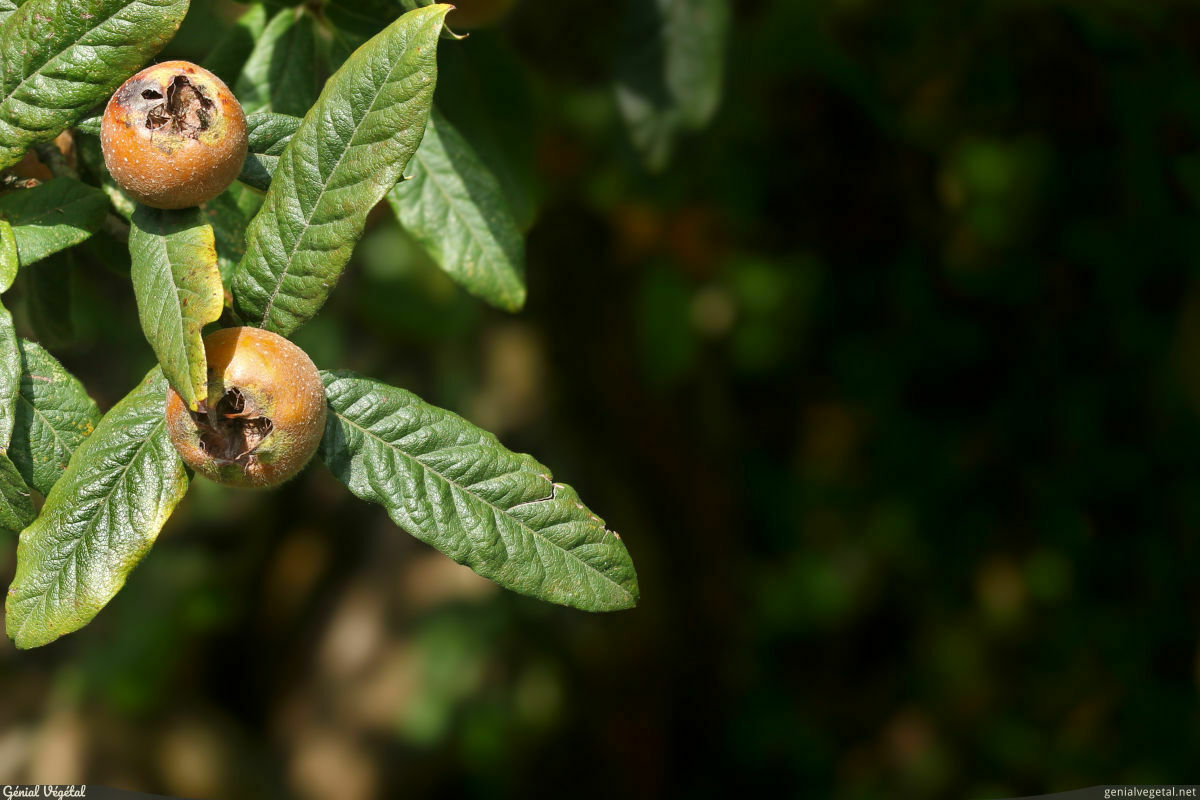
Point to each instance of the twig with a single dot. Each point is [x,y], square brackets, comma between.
[53,158]
[116,227]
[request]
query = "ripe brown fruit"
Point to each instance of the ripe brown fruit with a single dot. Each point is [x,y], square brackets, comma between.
[173,135]
[264,415]
[469,14]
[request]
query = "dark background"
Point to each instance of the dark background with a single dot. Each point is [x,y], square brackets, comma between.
[890,383]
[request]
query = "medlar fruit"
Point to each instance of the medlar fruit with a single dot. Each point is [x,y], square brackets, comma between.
[264,414]
[173,135]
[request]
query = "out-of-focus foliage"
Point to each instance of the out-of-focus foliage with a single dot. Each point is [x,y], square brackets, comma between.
[890,382]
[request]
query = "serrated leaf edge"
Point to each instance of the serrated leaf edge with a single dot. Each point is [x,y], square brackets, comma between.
[308,218]
[630,597]
[17,636]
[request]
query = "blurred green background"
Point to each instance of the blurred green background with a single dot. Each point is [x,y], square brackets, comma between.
[890,382]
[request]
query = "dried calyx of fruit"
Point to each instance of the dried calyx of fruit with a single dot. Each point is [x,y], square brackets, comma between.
[264,414]
[173,135]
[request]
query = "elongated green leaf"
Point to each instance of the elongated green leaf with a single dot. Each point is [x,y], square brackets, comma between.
[16,501]
[59,58]
[454,207]
[268,136]
[10,359]
[179,291]
[229,214]
[7,7]
[90,125]
[10,258]
[483,89]
[670,64]
[281,73]
[99,520]
[350,150]
[53,216]
[10,377]
[229,55]
[455,487]
[48,304]
[54,416]
[447,33]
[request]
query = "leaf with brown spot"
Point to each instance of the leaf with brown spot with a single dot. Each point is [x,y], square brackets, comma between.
[179,291]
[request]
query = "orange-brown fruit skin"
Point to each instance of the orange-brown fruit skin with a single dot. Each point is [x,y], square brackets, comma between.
[468,14]
[162,167]
[280,381]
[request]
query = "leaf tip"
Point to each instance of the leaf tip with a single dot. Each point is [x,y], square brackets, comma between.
[21,643]
[516,300]
[439,11]
[19,632]
[635,594]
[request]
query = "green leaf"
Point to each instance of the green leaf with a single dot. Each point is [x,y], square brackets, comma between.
[229,54]
[484,90]
[670,67]
[10,377]
[10,258]
[60,58]
[455,487]
[99,520]
[91,125]
[54,416]
[229,218]
[53,216]
[454,207]
[10,359]
[48,303]
[350,150]
[410,5]
[179,291]
[16,501]
[7,7]
[281,74]
[268,136]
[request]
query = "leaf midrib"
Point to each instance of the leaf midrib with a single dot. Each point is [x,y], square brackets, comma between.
[45,421]
[178,306]
[55,57]
[89,526]
[263,91]
[536,534]
[57,208]
[324,185]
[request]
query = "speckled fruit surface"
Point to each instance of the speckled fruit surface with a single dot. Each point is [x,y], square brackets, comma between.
[173,135]
[264,415]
